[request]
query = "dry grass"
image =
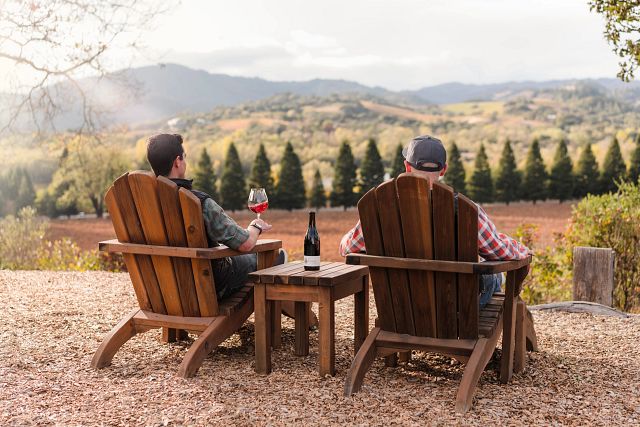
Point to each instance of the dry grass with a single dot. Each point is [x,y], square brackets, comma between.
[586,373]
[290,227]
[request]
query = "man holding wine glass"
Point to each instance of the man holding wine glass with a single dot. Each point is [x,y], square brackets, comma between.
[167,158]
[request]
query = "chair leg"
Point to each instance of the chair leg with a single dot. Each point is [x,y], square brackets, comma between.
[520,353]
[478,360]
[361,363]
[532,338]
[120,334]
[173,335]
[218,331]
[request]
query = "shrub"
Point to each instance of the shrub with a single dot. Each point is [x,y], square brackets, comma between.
[613,221]
[23,247]
[550,278]
[65,254]
[20,239]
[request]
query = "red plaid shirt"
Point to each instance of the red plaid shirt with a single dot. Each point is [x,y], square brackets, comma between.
[492,245]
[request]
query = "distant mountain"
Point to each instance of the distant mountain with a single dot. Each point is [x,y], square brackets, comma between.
[450,93]
[166,90]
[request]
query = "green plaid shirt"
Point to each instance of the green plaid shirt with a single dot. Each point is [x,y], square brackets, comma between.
[220,227]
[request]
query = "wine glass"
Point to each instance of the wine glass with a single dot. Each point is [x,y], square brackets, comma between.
[258,201]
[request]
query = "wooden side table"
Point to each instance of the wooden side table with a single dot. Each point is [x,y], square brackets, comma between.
[290,282]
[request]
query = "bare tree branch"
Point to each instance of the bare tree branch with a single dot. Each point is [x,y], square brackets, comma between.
[53,44]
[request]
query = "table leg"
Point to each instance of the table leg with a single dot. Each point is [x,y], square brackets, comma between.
[326,333]
[262,329]
[276,324]
[361,314]
[302,328]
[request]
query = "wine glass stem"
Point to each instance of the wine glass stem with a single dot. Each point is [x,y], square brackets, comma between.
[258,214]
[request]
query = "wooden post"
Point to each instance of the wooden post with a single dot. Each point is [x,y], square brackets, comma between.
[593,270]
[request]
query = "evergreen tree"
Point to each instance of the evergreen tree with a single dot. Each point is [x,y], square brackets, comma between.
[371,169]
[344,178]
[534,184]
[561,176]
[586,174]
[233,190]
[613,169]
[290,192]
[480,185]
[508,179]
[455,175]
[397,165]
[205,177]
[317,198]
[25,194]
[261,172]
[634,166]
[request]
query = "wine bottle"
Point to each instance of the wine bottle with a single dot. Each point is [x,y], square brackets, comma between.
[312,245]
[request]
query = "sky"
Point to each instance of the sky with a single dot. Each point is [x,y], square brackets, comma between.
[401,44]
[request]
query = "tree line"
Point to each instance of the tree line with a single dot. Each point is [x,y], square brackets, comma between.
[535,182]
[84,174]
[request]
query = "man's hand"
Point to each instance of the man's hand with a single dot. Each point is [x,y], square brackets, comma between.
[262,224]
[254,234]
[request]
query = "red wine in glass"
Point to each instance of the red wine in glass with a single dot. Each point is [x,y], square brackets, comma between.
[258,201]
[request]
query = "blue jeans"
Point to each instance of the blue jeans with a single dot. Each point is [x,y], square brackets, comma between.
[489,284]
[234,276]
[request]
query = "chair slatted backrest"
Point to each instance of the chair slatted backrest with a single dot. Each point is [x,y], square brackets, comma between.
[403,218]
[155,211]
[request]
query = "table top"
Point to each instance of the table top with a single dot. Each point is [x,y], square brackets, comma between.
[293,273]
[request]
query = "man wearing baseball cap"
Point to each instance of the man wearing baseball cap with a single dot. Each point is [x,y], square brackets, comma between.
[427,157]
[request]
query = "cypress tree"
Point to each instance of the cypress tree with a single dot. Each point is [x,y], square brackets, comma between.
[26,194]
[290,189]
[233,191]
[205,177]
[344,178]
[508,179]
[534,184]
[455,176]
[613,168]
[371,169]
[261,172]
[317,198]
[561,176]
[480,185]
[634,166]
[397,166]
[586,174]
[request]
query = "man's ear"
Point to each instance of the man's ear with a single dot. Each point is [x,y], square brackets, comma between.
[444,170]
[407,166]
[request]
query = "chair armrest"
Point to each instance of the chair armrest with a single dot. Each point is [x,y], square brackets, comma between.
[115,245]
[489,267]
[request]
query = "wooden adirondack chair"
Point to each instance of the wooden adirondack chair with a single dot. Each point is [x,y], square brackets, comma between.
[161,234]
[423,260]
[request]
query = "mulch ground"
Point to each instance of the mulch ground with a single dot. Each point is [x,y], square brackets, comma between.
[587,371]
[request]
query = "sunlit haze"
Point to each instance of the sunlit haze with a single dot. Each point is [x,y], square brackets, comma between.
[399,45]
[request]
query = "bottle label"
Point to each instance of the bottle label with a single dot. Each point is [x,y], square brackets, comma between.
[312,261]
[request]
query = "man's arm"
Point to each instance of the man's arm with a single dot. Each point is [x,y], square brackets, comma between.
[495,246]
[223,229]
[352,242]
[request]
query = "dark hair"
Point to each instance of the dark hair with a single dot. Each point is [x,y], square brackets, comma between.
[162,150]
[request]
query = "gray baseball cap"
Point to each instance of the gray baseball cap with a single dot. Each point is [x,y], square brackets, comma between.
[425,153]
